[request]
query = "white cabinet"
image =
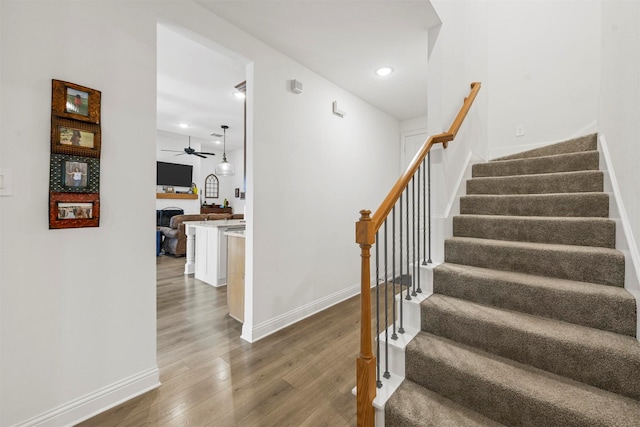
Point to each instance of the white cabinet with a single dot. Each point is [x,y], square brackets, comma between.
[211,252]
[211,255]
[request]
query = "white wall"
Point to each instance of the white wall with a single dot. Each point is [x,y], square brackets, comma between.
[228,184]
[539,67]
[544,72]
[459,56]
[538,63]
[308,174]
[619,125]
[313,172]
[620,100]
[78,305]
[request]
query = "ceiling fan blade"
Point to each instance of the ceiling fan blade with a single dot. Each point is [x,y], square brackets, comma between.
[199,155]
[180,154]
[173,151]
[203,152]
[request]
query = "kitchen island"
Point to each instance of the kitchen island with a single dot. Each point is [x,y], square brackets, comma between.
[207,249]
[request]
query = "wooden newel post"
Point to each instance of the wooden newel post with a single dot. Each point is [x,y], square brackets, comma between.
[366,362]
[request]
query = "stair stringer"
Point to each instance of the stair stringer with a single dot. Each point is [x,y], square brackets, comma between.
[625,241]
[411,310]
[442,223]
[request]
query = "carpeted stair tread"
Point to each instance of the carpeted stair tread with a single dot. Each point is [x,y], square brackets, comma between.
[607,308]
[512,393]
[413,405]
[529,323]
[563,182]
[581,231]
[602,359]
[572,204]
[582,143]
[586,160]
[580,263]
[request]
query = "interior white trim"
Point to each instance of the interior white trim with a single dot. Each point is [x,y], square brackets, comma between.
[99,401]
[277,323]
[514,149]
[496,153]
[625,242]
[459,189]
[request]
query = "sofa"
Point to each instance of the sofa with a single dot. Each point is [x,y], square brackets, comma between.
[163,216]
[174,236]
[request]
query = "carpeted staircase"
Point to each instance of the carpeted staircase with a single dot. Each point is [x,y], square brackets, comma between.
[529,323]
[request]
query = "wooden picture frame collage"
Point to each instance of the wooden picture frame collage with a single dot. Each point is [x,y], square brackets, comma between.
[76,141]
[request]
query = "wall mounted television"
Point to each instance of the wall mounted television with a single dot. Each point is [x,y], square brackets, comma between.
[174,174]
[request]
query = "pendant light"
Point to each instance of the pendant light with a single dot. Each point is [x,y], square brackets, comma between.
[224,167]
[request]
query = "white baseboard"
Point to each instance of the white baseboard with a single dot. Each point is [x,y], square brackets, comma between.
[625,242]
[277,323]
[92,404]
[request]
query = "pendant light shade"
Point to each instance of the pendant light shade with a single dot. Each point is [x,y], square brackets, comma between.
[224,167]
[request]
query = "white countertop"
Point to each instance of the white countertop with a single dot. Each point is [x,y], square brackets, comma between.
[235,233]
[218,223]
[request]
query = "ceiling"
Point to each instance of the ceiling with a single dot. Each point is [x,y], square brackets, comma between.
[345,41]
[196,86]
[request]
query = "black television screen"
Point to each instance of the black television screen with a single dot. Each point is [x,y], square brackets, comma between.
[174,174]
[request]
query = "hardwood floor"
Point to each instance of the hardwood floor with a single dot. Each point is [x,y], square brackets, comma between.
[300,376]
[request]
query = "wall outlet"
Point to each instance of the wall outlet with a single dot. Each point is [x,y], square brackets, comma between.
[519,130]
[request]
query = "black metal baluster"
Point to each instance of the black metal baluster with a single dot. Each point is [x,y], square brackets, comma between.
[378,382]
[413,230]
[386,306]
[429,184]
[424,211]
[417,257]
[394,335]
[408,297]
[401,328]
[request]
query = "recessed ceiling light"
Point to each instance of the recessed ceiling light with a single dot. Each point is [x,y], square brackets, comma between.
[183,125]
[239,95]
[384,71]
[218,142]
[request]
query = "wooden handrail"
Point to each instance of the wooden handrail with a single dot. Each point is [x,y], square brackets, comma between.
[387,204]
[366,229]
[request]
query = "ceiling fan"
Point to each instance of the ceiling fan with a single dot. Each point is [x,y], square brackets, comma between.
[189,150]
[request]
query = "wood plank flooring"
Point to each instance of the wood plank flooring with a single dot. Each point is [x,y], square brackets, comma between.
[300,376]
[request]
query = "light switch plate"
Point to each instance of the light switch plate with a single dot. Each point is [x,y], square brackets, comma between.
[6,182]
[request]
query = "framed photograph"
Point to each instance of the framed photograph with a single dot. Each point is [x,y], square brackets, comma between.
[71,210]
[75,138]
[75,102]
[74,174]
